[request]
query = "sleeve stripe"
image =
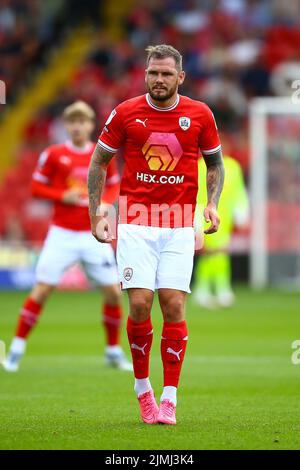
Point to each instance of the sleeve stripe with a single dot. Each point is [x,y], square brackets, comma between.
[208,152]
[39,177]
[106,147]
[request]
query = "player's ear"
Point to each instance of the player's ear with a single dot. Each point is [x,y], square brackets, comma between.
[181,77]
[146,75]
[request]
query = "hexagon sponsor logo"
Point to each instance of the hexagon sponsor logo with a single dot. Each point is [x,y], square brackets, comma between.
[162,151]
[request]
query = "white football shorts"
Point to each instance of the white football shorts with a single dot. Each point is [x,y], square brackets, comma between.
[155,258]
[63,248]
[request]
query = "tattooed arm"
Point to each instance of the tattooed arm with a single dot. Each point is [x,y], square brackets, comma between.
[96,180]
[214,184]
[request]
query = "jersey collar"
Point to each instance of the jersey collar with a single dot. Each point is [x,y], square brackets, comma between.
[169,108]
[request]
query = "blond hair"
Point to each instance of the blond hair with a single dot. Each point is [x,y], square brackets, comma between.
[79,109]
[162,51]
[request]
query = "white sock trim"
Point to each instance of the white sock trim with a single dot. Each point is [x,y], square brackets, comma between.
[113,349]
[18,345]
[141,386]
[169,393]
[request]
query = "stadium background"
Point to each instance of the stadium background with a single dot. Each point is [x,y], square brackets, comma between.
[53,52]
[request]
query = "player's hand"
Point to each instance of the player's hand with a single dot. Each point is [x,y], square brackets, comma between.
[72,196]
[211,215]
[101,230]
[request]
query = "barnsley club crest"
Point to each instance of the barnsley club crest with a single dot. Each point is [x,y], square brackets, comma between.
[184,123]
[128,272]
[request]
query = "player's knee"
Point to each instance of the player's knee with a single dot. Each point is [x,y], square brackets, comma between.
[41,292]
[112,295]
[140,309]
[173,309]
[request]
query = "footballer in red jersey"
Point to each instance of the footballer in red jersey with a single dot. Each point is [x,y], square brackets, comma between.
[161,150]
[61,177]
[162,134]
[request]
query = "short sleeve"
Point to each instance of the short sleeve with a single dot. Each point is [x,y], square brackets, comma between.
[209,141]
[113,133]
[45,167]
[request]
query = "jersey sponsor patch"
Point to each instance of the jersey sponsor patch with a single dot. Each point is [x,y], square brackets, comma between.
[159,179]
[162,151]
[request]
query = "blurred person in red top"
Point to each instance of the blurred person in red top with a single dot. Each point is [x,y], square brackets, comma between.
[61,177]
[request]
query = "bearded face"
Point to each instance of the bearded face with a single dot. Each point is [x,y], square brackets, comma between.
[163,78]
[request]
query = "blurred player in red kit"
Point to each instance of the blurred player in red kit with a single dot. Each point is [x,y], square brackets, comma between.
[61,177]
[161,133]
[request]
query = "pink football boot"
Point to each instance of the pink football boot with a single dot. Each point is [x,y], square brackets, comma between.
[167,412]
[148,407]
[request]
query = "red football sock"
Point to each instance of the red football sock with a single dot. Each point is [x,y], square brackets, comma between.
[112,320]
[140,336]
[28,317]
[173,345]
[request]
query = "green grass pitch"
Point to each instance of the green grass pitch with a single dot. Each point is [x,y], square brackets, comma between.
[239,388]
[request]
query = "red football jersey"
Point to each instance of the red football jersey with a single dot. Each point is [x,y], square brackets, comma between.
[161,150]
[61,167]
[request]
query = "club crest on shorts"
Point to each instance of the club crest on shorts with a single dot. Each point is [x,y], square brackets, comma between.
[184,123]
[127,273]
